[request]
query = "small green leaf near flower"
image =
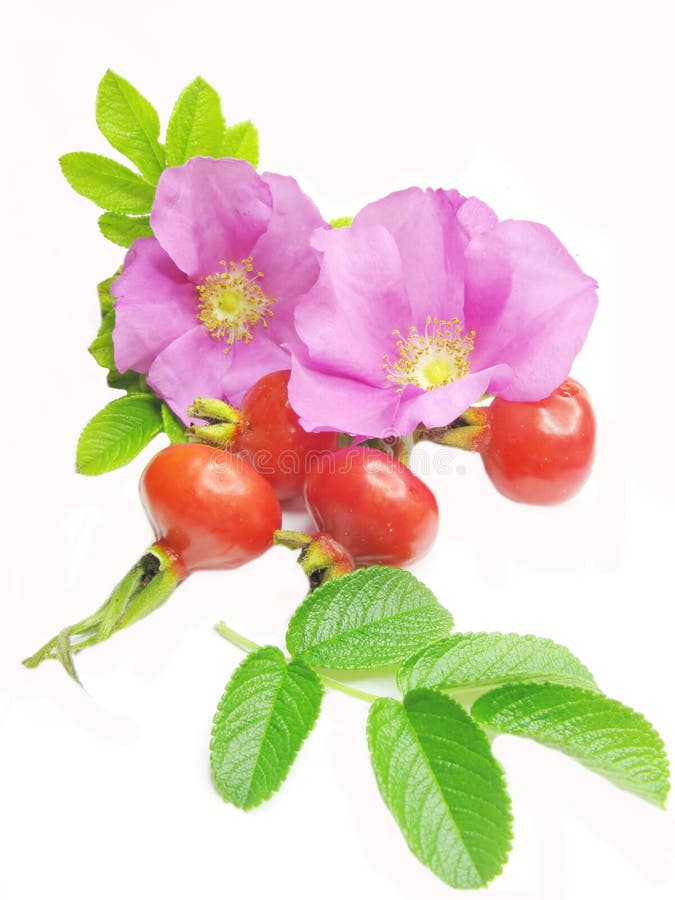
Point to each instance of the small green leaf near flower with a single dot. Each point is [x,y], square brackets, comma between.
[173,427]
[241,142]
[101,348]
[124,230]
[130,123]
[118,433]
[130,381]
[196,126]
[602,734]
[106,301]
[368,619]
[263,718]
[437,775]
[107,183]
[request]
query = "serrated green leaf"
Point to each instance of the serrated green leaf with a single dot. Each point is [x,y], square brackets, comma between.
[241,142]
[101,348]
[106,301]
[130,123]
[367,619]
[124,230]
[118,433]
[268,709]
[437,775]
[482,659]
[173,427]
[602,734]
[196,126]
[107,183]
[341,222]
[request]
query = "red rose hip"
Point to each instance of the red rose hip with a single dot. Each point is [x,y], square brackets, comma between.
[209,507]
[540,452]
[374,506]
[271,439]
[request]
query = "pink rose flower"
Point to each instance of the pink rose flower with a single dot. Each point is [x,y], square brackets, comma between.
[204,306]
[427,302]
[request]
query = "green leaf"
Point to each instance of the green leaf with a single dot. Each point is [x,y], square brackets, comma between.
[367,619]
[101,348]
[108,183]
[118,433]
[341,222]
[130,123]
[130,381]
[173,427]
[196,125]
[263,718]
[241,142]
[480,659]
[600,733]
[106,300]
[437,775]
[123,230]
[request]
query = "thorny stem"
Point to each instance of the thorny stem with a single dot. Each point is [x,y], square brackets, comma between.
[238,640]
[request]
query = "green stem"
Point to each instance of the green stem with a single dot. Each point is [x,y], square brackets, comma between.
[145,587]
[238,640]
[346,689]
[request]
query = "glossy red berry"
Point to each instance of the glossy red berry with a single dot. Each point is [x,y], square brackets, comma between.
[208,507]
[541,452]
[271,439]
[374,506]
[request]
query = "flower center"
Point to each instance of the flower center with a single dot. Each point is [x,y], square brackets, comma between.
[232,302]
[432,359]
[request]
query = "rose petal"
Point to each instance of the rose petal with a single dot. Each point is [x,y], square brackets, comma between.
[443,405]
[475,217]
[284,253]
[210,210]
[192,366]
[155,304]
[250,362]
[424,227]
[530,305]
[328,402]
[346,318]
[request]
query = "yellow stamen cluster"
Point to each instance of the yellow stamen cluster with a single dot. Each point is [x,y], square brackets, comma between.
[432,359]
[232,302]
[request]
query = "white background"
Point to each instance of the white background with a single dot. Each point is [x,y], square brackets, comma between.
[558,112]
